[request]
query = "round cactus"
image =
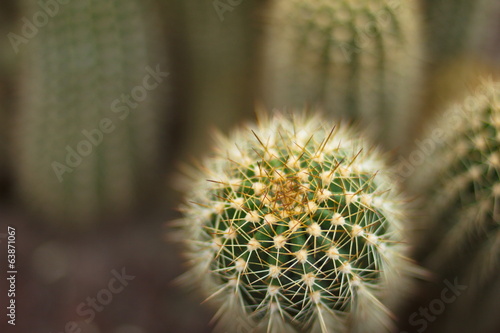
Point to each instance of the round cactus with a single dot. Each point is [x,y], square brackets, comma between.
[293,225]
[460,186]
[461,178]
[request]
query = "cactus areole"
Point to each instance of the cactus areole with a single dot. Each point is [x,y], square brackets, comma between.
[292,224]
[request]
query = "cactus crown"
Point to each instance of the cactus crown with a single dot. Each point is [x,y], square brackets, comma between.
[295,228]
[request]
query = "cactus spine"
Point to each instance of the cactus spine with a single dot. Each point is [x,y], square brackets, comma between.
[461,187]
[88,133]
[357,59]
[298,228]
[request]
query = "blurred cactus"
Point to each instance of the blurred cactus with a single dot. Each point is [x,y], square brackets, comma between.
[460,184]
[357,59]
[456,27]
[88,136]
[456,32]
[298,228]
[461,175]
[449,82]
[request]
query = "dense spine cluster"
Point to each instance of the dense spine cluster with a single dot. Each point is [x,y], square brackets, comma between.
[461,187]
[356,59]
[88,132]
[295,226]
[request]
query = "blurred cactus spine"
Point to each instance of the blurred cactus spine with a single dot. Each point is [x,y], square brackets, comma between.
[298,228]
[460,184]
[357,59]
[88,136]
[460,179]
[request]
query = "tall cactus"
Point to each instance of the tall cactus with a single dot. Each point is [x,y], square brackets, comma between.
[293,225]
[455,27]
[461,187]
[89,129]
[357,59]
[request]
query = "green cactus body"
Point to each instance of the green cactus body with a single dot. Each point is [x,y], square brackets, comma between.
[461,177]
[296,229]
[88,136]
[460,184]
[357,59]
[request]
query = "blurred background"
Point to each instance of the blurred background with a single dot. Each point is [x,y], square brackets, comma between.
[101,102]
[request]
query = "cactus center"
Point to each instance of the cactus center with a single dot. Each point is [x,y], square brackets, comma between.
[288,193]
